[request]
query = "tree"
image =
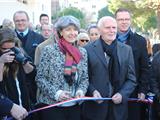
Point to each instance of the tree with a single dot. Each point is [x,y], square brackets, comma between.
[104,12]
[74,12]
[155,5]
[143,17]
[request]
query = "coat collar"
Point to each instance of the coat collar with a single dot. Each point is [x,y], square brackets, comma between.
[97,48]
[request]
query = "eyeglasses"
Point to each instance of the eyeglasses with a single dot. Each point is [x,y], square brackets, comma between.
[83,40]
[22,20]
[126,19]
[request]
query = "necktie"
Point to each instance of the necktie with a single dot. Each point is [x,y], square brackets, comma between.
[21,34]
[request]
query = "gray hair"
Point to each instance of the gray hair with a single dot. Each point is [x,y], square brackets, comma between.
[83,36]
[65,21]
[7,23]
[103,19]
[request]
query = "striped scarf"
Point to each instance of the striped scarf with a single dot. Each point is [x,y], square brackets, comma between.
[72,58]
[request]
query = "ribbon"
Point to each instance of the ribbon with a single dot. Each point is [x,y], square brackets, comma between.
[147,101]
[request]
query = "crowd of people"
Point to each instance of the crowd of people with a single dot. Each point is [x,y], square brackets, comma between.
[55,63]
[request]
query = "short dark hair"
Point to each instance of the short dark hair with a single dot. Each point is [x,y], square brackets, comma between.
[91,26]
[122,10]
[43,15]
[21,11]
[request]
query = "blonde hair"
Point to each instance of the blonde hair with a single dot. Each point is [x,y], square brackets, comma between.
[8,35]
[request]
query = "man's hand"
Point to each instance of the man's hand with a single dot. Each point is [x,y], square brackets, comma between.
[141,96]
[117,98]
[96,94]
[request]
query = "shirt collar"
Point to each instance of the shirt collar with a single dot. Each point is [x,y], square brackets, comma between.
[25,32]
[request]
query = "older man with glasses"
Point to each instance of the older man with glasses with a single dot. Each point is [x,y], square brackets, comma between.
[29,38]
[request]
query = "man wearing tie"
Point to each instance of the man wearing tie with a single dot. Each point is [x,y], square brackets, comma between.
[29,38]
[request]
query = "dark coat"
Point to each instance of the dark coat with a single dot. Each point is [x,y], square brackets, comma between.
[9,89]
[156,48]
[30,42]
[5,105]
[98,80]
[141,60]
[155,74]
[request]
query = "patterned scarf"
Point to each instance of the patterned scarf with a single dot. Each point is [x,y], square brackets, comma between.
[72,58]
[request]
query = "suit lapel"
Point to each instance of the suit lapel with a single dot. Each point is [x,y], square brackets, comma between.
[97,48]
[120,53]
[28,41]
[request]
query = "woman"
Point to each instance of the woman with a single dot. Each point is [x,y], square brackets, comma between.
[82,39]
[15,73]
[62,72]
[93,32]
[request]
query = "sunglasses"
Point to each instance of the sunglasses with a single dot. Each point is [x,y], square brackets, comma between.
[84,40]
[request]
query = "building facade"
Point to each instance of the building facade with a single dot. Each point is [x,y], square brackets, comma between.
[33,7]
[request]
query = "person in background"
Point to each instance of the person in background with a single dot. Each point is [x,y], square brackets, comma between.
[93,32]
[16,72]
[43,20]
[82,39]
[149,50]
[111,74]
[62,72]
[29,38]
[155,85]
[7,24]
[47,32]
[141,60]
[156,48]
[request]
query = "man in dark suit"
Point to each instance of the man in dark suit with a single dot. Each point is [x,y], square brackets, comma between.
[29,38]
[111,74]
[7,107]
[141,60]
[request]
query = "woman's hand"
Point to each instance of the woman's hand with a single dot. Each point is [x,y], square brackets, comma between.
[18,112]
[64,96]
[7,57]
[79,94]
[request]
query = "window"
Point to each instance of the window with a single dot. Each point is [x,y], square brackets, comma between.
[22,1]
[93,6]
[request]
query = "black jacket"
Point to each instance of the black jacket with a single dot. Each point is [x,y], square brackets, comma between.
[141,60]
[30,42]
[5,105]
[155,74]
[9,89]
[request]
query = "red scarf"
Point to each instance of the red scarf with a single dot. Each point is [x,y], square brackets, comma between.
[72,58]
